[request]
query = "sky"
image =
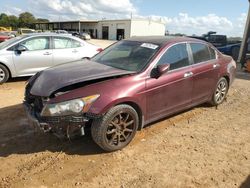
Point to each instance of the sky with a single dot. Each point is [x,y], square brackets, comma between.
[180,16]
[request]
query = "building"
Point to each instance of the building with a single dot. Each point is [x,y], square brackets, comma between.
[109,29]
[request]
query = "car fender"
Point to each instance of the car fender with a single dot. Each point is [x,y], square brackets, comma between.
[10,65]
[100,108]
[139,104]
[228,69]
[231,71]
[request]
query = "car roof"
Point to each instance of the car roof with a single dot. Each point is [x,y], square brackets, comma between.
[20,38]
[68,35]
[163,40]
[47,34]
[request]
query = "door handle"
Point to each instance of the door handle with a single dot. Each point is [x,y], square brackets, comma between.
[47,53]
[74,51]
[216,66]
[188,74]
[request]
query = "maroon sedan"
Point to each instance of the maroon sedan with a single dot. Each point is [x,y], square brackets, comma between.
[127,86]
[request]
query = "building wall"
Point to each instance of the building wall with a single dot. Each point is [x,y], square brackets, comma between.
[147,28]
[127,28]
[88,26]
[113,26]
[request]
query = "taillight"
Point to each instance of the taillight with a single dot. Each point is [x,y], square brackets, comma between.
[99,50]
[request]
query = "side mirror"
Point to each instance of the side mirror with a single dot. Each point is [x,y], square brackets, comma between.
[160,70]
[20,49]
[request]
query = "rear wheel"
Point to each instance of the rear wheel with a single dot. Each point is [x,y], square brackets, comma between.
[116,129]
[220,92]
[4,74]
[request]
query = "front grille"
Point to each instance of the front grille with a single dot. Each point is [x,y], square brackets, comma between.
[65,119]
[93,116]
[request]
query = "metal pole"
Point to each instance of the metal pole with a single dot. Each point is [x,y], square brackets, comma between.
[79,26]
[244,44]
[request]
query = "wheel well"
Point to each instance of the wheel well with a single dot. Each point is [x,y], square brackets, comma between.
[138,110]
[6,68]
[228,79]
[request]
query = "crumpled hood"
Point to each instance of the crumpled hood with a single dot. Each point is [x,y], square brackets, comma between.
[55,78]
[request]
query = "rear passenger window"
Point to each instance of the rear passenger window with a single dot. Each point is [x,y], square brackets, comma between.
[201,52]
[176,56]
[212,53]
[75,44]
[64,43]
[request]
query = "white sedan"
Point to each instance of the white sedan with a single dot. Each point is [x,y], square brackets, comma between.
[29,54]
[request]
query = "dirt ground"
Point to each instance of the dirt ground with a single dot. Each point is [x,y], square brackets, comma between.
[202,147]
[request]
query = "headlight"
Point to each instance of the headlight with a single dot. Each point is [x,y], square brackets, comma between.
[76,106]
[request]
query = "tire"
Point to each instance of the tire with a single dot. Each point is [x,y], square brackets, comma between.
[235,53]
[220,92]
[4,74]
[116,128]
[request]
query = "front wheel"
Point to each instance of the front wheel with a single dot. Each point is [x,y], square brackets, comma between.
[220,92]
[116,129]
[4,74]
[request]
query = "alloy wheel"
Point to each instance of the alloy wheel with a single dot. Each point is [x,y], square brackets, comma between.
[2,75]
[120,129]
[221,91]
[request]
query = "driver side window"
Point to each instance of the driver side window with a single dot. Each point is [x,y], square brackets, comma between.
[39,43]
[176,56]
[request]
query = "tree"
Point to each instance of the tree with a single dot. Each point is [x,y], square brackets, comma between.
[42,20]
[13,21]
[4,20]
[26,19]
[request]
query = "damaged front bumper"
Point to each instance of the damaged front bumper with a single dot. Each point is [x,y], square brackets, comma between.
[61,126]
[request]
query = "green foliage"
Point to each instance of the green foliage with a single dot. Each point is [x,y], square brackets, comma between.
[13,21]
[25,20]
[4,20]
[42,20]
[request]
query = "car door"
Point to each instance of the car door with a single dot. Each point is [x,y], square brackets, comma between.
[65,50]
[36,57]
[205,70]
[170,92]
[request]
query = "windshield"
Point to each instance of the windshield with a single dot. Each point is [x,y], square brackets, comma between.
[127,55]
[9,42]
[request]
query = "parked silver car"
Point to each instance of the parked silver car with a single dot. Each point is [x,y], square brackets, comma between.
[84,35]
[29,54]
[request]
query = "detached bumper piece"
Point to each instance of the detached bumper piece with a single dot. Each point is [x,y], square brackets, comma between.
[61,126]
